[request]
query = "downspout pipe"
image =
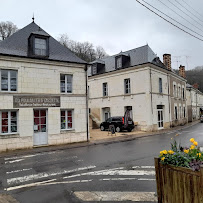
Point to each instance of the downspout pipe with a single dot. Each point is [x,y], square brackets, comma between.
[87,111]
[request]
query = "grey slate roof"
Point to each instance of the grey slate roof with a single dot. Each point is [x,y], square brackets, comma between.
[17,45]
[138,56]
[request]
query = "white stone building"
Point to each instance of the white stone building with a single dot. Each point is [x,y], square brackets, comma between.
[135,80]
[194,103]
[42,91]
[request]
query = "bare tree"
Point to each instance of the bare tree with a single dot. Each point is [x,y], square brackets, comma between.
[7,29]
[100,52]
[84,50]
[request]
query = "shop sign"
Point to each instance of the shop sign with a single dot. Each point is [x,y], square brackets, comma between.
[36,101]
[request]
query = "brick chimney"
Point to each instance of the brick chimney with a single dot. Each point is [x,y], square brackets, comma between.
[167,61]
[182,71]
[195,85]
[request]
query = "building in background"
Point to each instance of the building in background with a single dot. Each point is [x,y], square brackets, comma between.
[177,89]
[42,91]
[194,102]
[136,80]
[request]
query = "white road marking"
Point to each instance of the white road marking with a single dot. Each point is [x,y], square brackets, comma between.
[143,167]
[22,170]
[14,161]
[92,173]
[109,179]
[44,183]
[33,155]
[146,179]
[116,196]
[125,172]
[44,175]
[28,185]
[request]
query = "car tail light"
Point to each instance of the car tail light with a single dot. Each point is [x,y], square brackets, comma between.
[123,120]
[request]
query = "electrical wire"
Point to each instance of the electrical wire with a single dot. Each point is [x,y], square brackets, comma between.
[184,12]
[172,18]
[169,21]
[188,10]
[192,8]
[180,15]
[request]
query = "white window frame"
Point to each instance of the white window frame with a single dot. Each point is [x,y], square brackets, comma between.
[127,87]
[66,75]
[66,118]
[9,80]
[94,70]
[160,86]
[176,112]
[174,90]
[105,89]
[119,62]
[9,122]
[40,49]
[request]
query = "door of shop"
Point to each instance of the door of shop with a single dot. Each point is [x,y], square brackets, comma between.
[40,127]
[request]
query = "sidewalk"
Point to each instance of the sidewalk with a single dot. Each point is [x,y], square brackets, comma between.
[97,137]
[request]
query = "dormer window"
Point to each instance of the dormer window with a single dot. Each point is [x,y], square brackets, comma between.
[119,62]
[122,61]
[94,69]
[40,47]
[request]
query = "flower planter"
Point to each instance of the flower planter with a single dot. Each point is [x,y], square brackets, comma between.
[178,184]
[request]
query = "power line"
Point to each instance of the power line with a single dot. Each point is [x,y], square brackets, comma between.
[188,10]
[192,8]
[180,15]
[169,21]
[184,12]
[172,18]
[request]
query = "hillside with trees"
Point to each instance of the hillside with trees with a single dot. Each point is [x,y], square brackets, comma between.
[195,76]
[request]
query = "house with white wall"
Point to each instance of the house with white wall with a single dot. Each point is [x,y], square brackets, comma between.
[42,91]
[194,103]
[135,80]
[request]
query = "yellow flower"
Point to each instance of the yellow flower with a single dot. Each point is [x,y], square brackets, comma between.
[186,151]
[162,158]
[199,154]
[192,147]
[192,140]
[171,152]
[195,143]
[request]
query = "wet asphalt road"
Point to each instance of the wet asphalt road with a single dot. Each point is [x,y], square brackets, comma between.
[57,176]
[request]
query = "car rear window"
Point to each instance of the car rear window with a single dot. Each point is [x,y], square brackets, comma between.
[117,119]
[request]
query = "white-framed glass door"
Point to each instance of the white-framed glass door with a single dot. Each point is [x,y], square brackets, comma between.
[40,127]
[160,119]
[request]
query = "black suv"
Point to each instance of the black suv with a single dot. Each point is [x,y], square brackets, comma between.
[118,122]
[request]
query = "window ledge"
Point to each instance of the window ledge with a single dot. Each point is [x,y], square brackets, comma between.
[67,130]
[7,136]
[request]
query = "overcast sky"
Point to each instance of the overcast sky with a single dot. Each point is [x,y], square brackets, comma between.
[116,24]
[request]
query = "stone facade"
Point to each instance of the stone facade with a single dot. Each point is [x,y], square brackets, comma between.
[178,100]
[194,103]
[144,98]
[42,78]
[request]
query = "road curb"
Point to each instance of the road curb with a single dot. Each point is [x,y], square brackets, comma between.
[125,138]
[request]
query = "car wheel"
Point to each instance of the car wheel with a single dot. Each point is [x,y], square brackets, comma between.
[129,130]
[118,129]
[102,128]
